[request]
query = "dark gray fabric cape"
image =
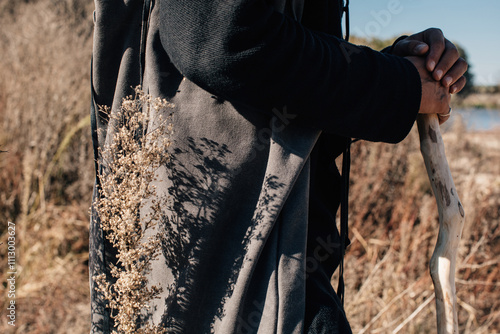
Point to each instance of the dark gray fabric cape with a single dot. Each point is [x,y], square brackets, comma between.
[265,95]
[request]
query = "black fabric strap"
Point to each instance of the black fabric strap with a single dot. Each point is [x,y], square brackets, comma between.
[93,125]
[346,13]
[146,13]
[344,198]
[344,208]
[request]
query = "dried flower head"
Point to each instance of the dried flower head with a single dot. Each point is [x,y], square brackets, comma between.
[137,149]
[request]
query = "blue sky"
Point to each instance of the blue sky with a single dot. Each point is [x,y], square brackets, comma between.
[473,24]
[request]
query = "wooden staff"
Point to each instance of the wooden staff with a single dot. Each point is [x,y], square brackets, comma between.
[451,221]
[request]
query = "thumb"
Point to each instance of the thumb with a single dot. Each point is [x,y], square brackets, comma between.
[407,47]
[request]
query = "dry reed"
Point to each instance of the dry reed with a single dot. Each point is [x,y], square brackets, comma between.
[394,227]
[137,149]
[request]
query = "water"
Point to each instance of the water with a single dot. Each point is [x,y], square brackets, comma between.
[479,119]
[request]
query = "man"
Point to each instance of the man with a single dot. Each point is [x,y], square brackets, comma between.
[266,96]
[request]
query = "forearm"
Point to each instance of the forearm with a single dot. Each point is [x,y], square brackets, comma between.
[248,53]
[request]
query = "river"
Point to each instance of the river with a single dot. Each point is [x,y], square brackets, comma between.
[479,119]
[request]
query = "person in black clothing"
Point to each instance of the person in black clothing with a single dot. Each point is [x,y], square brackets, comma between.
[267,94]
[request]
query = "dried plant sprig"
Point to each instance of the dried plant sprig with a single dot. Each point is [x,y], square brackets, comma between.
[129,163]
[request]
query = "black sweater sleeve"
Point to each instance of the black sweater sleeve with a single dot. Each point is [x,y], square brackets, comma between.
[247,52]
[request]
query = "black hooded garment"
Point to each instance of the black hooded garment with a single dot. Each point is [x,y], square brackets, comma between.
[266,95]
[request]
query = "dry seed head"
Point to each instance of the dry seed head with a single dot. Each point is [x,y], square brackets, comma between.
[138,149]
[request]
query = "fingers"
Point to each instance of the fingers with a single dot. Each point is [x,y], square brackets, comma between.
[449,58]
[441,70]
[444,117]
[435,98]
[410,47]
[456,72]
[444,60]
[443,110]
[435,38]
[458,85]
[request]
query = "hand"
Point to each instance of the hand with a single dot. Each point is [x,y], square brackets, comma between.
[441,57]
[435,97]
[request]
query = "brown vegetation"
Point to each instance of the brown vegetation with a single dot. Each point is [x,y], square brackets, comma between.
[47,174]
[394,224]
[126,189]
[484,100]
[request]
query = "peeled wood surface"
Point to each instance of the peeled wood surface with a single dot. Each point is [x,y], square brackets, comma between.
[451,220]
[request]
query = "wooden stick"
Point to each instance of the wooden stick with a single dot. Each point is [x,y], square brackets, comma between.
[451,221]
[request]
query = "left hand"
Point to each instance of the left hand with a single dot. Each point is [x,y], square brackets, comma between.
[442,57]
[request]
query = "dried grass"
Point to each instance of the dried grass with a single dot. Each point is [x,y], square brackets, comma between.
[138,148]
[394,224]
[46,48]
[44,94]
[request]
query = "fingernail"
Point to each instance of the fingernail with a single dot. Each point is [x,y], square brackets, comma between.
[453,90]
[419,48]
[432,64]
[439,74]
[447,81]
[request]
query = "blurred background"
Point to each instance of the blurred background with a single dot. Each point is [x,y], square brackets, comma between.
[46,173]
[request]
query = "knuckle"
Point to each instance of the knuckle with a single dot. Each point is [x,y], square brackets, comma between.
[464,63]
[432,29]
[454,52]
[435,31]
[440,45]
